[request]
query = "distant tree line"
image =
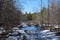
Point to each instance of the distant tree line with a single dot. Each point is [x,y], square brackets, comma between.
[49,14]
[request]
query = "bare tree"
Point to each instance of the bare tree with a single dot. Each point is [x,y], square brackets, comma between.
[10,17]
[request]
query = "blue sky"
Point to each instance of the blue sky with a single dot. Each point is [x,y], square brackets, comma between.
[30,5]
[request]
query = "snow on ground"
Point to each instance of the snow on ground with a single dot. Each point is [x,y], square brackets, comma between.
[11,38]
[47,35]
[44,31]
